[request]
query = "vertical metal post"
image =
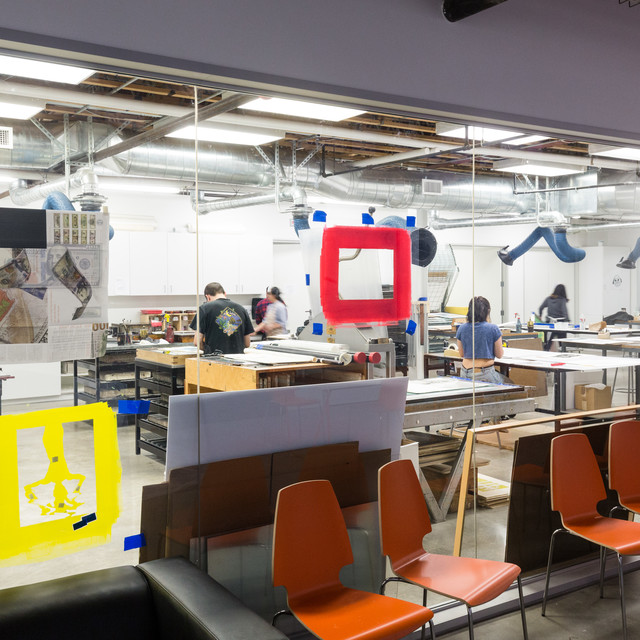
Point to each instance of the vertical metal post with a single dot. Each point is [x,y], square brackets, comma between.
[91,143]
[294,168]
[277,174]
[67,165]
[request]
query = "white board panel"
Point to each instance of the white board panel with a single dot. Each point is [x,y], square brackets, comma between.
[220,426]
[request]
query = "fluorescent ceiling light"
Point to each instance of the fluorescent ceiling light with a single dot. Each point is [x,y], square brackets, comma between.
[230,134]
[486,134]
[11,66]
[537,168]
[301,109]
[625,153]
[19,108]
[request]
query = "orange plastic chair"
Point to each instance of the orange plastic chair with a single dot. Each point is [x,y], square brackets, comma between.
[576,489]
[624,475]
[310,546]
[404,521]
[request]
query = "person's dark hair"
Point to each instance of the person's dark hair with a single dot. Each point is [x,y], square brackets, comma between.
[275,292]
[560,292]
[479,309]
[213,289]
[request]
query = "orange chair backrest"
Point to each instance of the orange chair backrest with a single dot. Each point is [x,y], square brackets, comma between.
[576,482]
[624,450]
[310,539]
[402,510]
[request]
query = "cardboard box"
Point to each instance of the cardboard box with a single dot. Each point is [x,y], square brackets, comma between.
[535,380]
[591,397]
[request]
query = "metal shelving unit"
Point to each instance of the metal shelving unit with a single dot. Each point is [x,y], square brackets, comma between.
[106,379]
[164,380]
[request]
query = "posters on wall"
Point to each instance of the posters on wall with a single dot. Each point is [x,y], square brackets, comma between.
[53,294]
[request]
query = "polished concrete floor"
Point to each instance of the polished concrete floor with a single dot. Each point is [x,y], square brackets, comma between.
[580,614]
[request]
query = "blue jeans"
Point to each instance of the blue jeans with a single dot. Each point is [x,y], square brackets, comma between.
[487,374]
[557,241]
[635,252]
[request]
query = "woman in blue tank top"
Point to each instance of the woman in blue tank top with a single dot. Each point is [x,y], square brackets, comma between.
[479,343]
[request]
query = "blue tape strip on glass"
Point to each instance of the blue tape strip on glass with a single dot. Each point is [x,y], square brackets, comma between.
[79,525]
[367,218]
[135,542]
[423,299]
[133,406]
[411,221]
[307,279]
[319,216]
[317,329]
[411,327]
[90,517]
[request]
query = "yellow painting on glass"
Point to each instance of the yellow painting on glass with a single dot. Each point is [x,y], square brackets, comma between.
[67,497]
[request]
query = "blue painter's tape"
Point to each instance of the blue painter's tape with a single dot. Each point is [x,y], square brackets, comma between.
[79,525]
[423,299]
[367,218]
[411,327]
[133,406]
[90,517]
[411,221]
[135,542]
[307,279]
[317,329]
[319,216]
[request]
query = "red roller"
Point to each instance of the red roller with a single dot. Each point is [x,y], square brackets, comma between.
[375,357]
[360,357]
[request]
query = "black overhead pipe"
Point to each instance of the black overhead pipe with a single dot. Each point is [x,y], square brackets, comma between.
[455,10]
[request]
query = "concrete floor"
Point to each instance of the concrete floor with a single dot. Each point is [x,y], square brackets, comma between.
[578,615]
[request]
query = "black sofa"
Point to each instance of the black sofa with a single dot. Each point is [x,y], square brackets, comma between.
[167,599]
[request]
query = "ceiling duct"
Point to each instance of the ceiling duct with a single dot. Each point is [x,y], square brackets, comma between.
[243,168]
[22,195]
[395,188]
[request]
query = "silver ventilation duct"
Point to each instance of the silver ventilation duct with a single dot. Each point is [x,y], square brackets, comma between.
[245,168]
[84,177]
[394,188]
[296,195]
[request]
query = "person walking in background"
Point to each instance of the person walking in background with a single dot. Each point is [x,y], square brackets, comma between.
[275,320]
[479,343]
[556,306]
[225,326]
[261,311]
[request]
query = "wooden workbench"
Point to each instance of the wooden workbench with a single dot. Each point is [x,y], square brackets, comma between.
[222,376]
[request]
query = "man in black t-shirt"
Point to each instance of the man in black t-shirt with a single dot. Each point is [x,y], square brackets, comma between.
[225,326]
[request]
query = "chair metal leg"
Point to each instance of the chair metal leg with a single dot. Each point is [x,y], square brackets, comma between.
[424,626]
[432,630]
[522,613]
[603,561]
[391,579]
[470,616]
[546,582]
[624,613]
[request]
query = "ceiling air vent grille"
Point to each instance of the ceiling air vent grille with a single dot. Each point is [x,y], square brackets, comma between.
[431,187]
[6,137]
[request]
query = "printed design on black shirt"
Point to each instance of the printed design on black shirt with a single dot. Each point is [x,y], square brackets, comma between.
[228,321]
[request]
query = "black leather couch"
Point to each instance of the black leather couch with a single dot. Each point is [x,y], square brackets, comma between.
[167,599]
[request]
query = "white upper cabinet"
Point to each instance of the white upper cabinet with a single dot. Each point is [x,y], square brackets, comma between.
[153,263]
[119,264]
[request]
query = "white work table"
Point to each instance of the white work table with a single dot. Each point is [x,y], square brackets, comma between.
[559,363]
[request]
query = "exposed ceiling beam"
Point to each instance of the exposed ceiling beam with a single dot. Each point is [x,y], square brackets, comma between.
[208,111]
